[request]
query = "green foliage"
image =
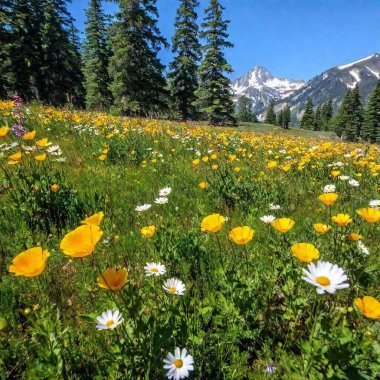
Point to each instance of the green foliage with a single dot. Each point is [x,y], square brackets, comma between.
[96,58]
[371,129]
[244,111]
[137,81]
[214,96]
[183,80]
[284,118]
[308,118]
[270,117]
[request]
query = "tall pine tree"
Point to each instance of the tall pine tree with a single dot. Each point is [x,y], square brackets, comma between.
[137,81]
[183,78]
[214,96]
[371,129]
[286,117]
[96,58]
[270,117]
[308,118]
[244,110]
[343,116]
[5,37]
[354,122]
[327,114]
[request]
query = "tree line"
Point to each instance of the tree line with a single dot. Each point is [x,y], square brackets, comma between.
[352,122]
[117,66]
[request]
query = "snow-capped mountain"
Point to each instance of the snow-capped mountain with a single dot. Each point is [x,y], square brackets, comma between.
[334,83]
[262,87]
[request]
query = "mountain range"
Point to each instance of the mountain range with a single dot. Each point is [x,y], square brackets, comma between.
[262,87]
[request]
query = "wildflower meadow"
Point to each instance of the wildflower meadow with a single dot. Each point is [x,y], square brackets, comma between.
[137,248]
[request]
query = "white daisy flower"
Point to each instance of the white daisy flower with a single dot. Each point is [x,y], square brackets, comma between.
[143,207]
[109,320]
[353,182]
[174,286]
[326,277]
[178,364]
[268,219]
[154,269]
[329,189]
[344,177]
[375,203]
[274,207]
[161,200]
[363,248]
[165,191]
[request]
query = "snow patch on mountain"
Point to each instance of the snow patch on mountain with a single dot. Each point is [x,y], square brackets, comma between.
[342,67]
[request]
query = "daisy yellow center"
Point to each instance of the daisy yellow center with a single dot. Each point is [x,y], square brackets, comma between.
[154,270]
[110,323]
[172,290]
[178,363]
[322,280]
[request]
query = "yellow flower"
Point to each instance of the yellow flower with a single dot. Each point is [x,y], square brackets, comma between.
[214,167]
[236,170]
[54,187]
[272,165]
[148,231]
[29,263]
[342,220]
[212,223]
[15,157]
[354,237]
[241,235]
[105,151]
[82,241]
[95,219]
[205,159]
[29,135]
[196,161]
[113,279]
[321,228]
[41,157]
[370,215]
[305,252]
[102,157]
[328,198]
[283,225]
[4,131]
[42,143]
[369,307]
[335,173]
[203,185]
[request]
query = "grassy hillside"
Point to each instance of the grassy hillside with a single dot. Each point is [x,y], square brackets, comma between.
[77,241]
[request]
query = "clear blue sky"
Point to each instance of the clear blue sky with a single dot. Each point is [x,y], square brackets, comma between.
[295,39]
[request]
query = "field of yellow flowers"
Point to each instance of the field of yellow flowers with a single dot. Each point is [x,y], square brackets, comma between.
[146,249]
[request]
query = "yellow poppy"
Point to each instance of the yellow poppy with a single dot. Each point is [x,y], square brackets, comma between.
[328,198]
[321,228]
[241,235]
[369,307]
[82,241]
[113,279]
[283,225]
[305,252]
[42,143]
[354,237]
[148,231]
[370,215]
[102,157]
[342,220]
[203,185]
[29,263]
[29,135]
[55,187]
[212,223]
[41,157]
[95,219]
[4,131]
[15,157]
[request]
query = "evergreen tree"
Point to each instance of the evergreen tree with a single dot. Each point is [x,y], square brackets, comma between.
[353,127]
[137,81]
[187,54]
[279,118]
[5,37]
[244,110]
[343,116]
[371,129]
[327,114]
[96,58]
[318,124]
[214,96]
[270,117]
[308,118]
[286,117]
